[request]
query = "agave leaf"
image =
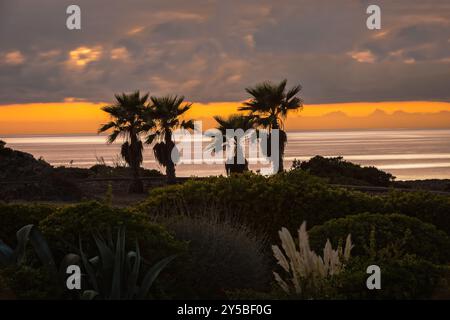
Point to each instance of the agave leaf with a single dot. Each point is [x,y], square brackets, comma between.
[95,260]
[23,235]
[118,263]
[106,255]
[109,238]
[30,233]
[133,278]
[6,254]
[89,295]
[43,251]
[151,276]
[90,271]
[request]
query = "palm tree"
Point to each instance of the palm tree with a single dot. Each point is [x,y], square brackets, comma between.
[269,106]
[164,114]
[234,122]
[127,122]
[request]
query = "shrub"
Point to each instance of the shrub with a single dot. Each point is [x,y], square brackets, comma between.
[406,277]
[339,171]
[68,224]
[287,199]
[28,283]
[15,216]
[264,203]
[5,292]
[405,234]
[426,206]
[222,256]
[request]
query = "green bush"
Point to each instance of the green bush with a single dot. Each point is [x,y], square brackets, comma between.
[68,224]
[426,206]
[339,171]
[268,203]
[404,234]
[28,283]
[264,203]
[406,277]
[15,216]
[5,292]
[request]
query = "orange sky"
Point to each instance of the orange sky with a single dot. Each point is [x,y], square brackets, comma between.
[85,117]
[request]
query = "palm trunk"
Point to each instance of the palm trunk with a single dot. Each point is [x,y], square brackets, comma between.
[170,167]
[136,186]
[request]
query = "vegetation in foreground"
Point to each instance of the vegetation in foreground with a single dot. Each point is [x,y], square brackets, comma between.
[222,229]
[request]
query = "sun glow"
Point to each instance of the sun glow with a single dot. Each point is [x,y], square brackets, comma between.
[75,116]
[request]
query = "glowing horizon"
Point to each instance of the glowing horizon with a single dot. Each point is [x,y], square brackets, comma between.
[71,117]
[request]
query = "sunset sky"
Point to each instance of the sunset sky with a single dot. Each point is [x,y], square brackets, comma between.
[53,80]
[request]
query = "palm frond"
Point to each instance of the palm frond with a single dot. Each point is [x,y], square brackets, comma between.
[107,126]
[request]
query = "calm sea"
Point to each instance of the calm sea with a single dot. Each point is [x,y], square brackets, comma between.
[408,154]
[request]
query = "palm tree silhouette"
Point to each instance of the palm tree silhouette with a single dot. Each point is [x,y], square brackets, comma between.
[127,122]
[234,122]
[269,106]
[164,117]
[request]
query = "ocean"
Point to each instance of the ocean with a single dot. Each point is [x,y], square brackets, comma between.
[407,154]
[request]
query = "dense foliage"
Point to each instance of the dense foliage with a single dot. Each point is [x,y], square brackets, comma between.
[339,171]
[267,203]
[399,233]
[15,216]
[227,254]
[403,277]
[66,225]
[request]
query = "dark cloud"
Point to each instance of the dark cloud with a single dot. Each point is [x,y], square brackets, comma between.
[209,50]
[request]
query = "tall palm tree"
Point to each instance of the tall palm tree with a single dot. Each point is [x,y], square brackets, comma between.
[269,106]
[165,114]
[234,122]
[127,122]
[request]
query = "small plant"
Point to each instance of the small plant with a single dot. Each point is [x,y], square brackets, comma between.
[307,271]
[114,274]
[17,258]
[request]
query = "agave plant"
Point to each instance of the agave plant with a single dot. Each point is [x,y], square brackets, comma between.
[305,269]
[116,274]
[16,257]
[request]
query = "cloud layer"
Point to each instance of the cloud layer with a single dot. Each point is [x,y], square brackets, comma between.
[210,50]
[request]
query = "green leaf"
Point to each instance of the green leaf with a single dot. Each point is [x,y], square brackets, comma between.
[6,254]
[118,265]
[89,295]
[90,271]
[30,233]
[106,255]
[23,236]
[151,276]
[43,251]
[133,278]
